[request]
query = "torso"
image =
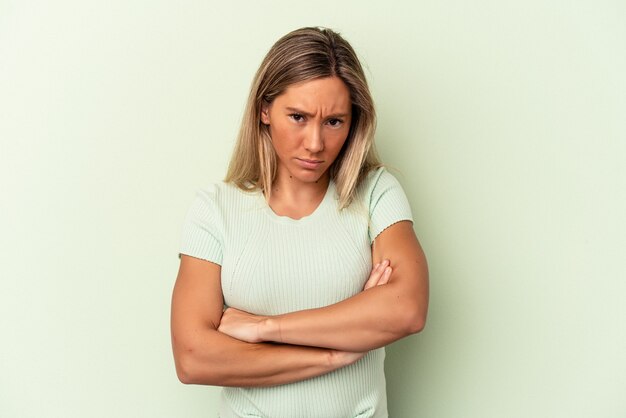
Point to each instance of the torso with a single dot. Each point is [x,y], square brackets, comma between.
[273,264]
[276,261]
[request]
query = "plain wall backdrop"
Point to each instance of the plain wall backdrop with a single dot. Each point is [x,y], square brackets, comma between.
[505,121]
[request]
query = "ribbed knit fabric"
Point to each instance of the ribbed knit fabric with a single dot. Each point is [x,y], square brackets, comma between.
[274,264]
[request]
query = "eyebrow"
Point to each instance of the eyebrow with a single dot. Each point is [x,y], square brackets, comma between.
[302,112]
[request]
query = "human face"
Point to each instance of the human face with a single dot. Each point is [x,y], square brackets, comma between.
[309,123]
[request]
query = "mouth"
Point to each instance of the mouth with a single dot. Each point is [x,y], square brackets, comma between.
[310,164]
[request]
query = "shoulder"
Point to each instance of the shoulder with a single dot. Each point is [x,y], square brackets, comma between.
[210,203]
[380,174]
[227,206]
[216,207]
[376,183]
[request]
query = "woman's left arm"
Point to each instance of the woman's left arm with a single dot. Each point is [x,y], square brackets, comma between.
[371,319]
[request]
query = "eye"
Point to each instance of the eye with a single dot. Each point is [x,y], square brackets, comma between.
[296,117]
[335,123]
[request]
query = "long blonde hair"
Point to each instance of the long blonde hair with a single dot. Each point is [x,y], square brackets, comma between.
[301,55]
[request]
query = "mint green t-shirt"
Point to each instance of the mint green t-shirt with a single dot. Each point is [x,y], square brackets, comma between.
[274,264]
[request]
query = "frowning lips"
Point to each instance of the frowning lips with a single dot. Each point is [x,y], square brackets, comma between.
[310,164]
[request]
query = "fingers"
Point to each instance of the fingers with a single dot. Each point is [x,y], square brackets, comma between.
[385,277]
[380,275]
[374,276]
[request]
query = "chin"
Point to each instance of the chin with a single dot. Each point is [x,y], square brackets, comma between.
[307,176]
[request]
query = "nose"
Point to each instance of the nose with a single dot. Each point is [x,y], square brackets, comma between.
[314,142]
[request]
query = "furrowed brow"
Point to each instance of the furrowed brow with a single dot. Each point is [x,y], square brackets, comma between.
[299,111]
[307,114]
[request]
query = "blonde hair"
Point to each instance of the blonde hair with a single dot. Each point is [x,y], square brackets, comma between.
[301,55]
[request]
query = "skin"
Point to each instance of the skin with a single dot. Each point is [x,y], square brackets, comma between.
[309,122]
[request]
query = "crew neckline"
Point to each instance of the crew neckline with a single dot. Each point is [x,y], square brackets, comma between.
[321,207]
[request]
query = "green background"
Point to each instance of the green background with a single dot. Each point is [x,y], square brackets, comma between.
[505,120]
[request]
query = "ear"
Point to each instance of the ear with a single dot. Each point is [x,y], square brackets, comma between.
[265,113]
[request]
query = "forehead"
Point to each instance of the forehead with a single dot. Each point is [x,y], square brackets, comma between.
[330,93]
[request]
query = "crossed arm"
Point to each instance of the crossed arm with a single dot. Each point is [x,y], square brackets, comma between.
[235,348]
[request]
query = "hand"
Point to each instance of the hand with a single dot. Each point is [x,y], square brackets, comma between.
[380,275]
[242,325]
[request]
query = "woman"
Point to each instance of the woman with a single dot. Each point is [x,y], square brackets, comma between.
[309,244]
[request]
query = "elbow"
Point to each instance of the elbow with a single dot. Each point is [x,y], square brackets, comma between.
[415,324]
[200,365]
[184,377]
[185,369]
[190,372]
[413,320]
[183,360]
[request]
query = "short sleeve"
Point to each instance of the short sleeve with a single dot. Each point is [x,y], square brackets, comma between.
[388,203]
[202,232]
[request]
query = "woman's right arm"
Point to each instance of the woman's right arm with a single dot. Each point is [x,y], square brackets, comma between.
[206,356]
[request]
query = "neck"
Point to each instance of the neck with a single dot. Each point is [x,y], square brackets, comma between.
[289,186]
[297,199]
